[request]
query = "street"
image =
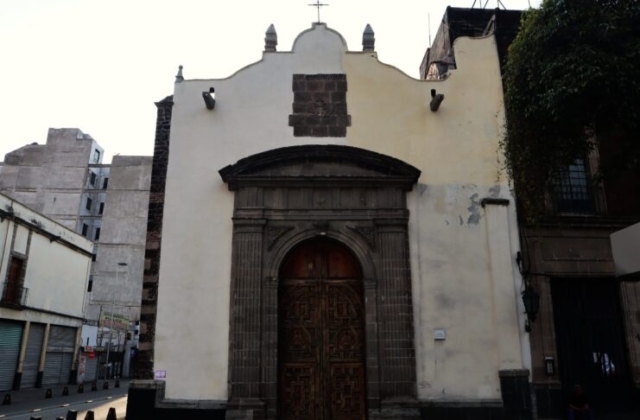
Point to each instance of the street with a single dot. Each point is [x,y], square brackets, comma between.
[52,409]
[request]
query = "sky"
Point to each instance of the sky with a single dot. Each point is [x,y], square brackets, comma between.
[100,65]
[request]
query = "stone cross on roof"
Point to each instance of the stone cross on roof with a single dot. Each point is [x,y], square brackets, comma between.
[318,5]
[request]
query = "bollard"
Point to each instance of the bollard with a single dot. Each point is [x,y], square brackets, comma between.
[105,385]
[48,393]
[65,391]
[7,399]
[94,386]
[117,384]
[89,415]
[72,415]
[112,414]
[80,388]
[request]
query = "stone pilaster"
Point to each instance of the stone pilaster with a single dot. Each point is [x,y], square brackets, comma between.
[143,365]
[397,352]
[245,375]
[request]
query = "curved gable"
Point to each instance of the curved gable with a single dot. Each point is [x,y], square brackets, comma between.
[319,164]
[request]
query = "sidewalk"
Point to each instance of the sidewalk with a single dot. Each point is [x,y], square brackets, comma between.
[24,397]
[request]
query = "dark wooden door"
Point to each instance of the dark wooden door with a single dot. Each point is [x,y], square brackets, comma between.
[321,335]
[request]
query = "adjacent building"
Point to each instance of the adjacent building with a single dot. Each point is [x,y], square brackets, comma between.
[587,329]
[44,269]
[65,180]
[330,238]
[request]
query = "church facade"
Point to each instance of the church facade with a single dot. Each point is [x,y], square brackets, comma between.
[330,238]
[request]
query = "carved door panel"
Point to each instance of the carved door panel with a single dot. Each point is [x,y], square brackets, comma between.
[321,343]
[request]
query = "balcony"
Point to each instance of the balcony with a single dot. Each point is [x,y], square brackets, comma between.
[14,296]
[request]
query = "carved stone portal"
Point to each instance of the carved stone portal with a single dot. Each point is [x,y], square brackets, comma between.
[337,200]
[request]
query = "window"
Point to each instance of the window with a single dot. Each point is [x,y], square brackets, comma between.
[89,203]
[573,190]
[90,285]
[96,155]
[105,183]
[97,235]
[92,178]
[13,289]
[93,257]
[101,210]
[85,229]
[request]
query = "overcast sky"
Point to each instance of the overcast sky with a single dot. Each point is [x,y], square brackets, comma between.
[100,65]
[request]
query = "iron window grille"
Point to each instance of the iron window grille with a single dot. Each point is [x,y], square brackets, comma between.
[573,190]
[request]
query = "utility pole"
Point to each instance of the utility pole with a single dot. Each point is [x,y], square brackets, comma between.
[113,304]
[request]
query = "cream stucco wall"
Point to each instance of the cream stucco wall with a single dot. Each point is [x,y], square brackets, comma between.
[462,266]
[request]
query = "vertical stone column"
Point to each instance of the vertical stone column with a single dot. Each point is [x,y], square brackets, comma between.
[144,364]
[43,356]
[396,346]
[17,378]
[270,346]
[371,330]
[73,376]
[245,336]
[508,321]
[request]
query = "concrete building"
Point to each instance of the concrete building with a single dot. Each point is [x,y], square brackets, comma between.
[587,328]
[66,180]
[44,268]
[353,258]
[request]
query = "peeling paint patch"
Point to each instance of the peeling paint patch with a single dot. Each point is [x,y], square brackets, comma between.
[447,222]
[494,192]
[423,188]
[461,221]
[474,209]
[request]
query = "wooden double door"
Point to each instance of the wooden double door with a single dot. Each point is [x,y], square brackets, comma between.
[321,334]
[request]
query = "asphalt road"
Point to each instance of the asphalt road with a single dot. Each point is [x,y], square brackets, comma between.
[52,409]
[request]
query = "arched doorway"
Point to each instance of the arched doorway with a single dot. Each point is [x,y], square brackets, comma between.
[321,369]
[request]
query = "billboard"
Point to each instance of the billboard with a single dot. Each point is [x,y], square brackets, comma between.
[120,322]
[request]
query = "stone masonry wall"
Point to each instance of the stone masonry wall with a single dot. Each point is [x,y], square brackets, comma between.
[319,105]
[144,362]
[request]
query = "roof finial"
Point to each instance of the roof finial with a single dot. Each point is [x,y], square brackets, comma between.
[368,39]
[318,5]
[270,39]
[179,77]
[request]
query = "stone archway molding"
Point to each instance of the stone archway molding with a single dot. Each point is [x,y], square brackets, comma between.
[271,167]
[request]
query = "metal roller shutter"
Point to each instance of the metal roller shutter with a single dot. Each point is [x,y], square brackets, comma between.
[57,366]
[32,356]
[52,368]
[65,372]
[90,369]
[61,339]
[10,337]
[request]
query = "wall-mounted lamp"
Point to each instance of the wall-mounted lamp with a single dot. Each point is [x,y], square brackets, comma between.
[209,98]
[530,297]
[436,100]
